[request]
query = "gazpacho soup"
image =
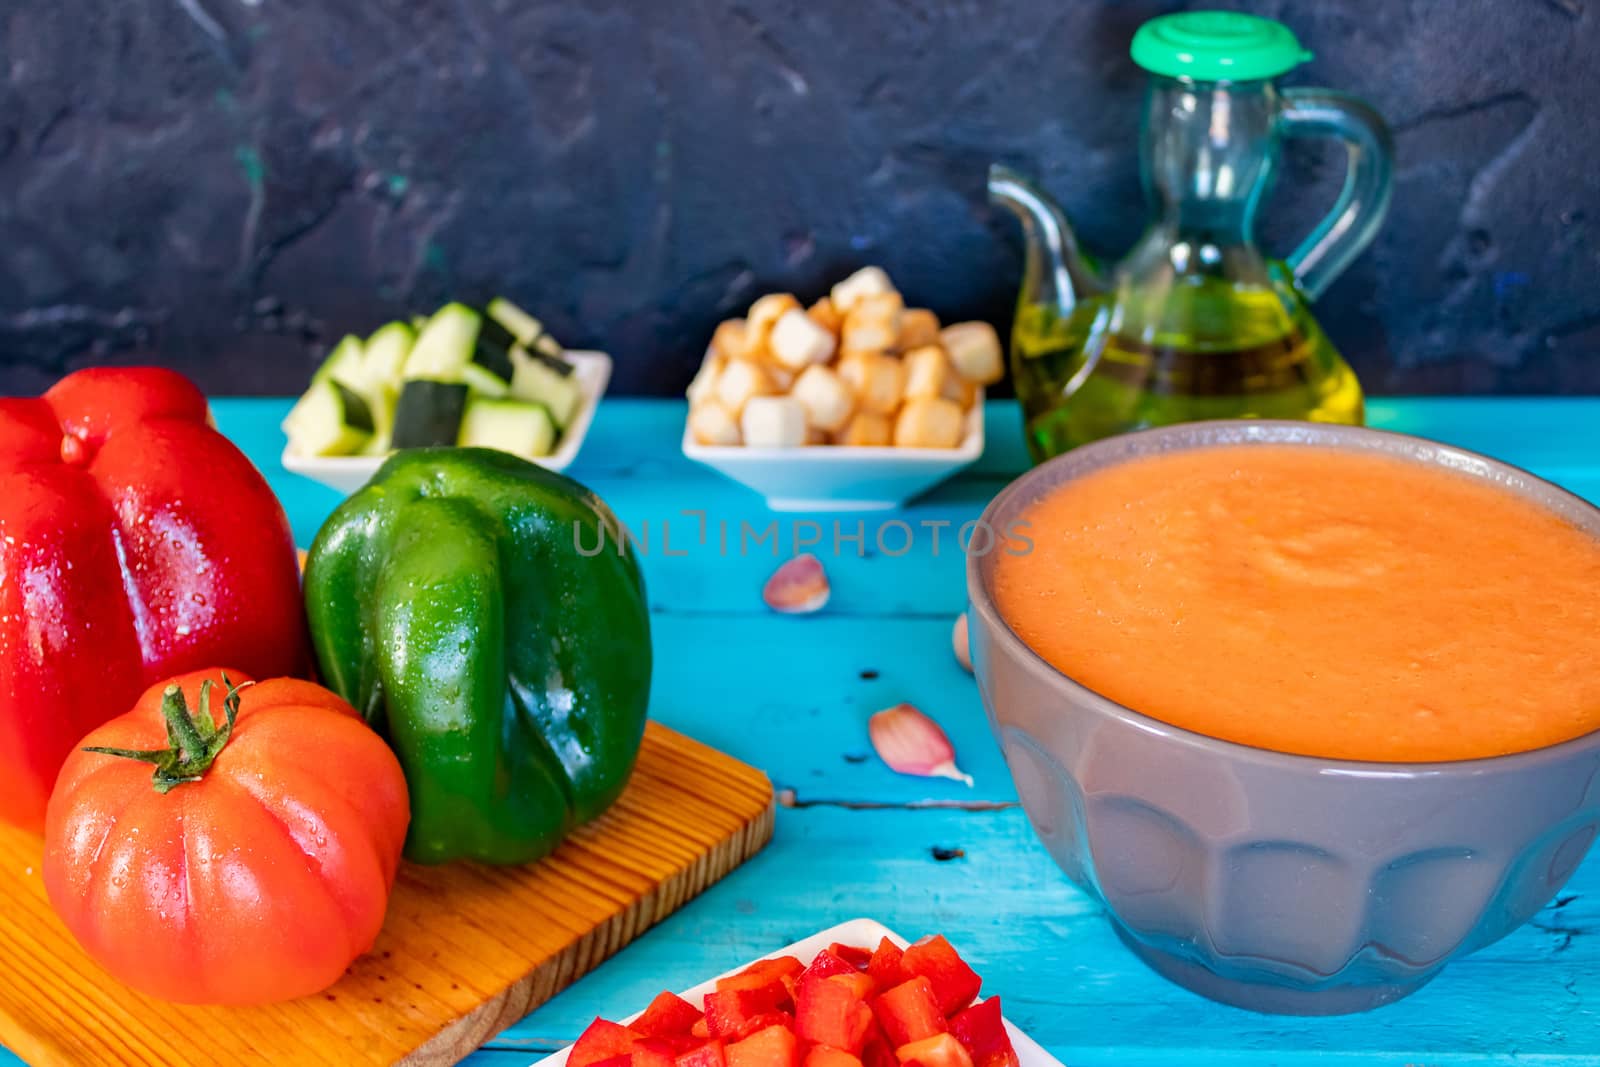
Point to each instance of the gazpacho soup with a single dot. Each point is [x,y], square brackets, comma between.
[1317,601]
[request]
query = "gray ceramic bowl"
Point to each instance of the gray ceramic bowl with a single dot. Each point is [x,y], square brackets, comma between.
[1276,882]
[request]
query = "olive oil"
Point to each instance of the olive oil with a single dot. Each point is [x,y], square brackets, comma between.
[1208,349]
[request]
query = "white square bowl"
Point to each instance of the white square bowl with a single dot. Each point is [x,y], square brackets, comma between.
[349,473]
[864,932]
[839,477]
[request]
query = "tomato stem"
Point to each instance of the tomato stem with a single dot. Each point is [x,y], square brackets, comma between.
[195,740]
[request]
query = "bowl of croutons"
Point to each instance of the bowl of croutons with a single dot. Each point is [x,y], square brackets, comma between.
[854,403]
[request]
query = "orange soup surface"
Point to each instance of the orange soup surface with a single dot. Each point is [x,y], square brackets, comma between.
[1316,601]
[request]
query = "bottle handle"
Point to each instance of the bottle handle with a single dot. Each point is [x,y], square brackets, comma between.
[1355,217]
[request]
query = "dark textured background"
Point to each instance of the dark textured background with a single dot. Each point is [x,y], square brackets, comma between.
[228,185]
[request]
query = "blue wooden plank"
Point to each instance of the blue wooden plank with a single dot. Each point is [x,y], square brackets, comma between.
[1049,952]
[789,697]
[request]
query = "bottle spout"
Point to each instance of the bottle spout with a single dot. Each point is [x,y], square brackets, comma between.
[1055,271]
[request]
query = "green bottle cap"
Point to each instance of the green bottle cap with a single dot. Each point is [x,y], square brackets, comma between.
[1216,46]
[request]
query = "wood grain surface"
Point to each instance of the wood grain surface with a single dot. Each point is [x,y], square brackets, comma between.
[465,951]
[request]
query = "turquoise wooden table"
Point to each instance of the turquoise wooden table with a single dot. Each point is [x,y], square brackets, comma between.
[792,695]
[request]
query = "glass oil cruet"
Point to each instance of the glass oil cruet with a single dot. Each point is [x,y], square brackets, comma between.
[1196,323]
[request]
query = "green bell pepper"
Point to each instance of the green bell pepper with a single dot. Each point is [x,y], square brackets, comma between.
[459,603]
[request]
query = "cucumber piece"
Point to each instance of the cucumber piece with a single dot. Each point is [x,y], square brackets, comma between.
[428,413]
[331,419]
[445,345]
[548,380]
[514,426]
[523,328]
[386,352]
[495,345]
[483,382]
[381,400]
[345,364]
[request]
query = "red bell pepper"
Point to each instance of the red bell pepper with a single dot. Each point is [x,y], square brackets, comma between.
[941,1050]
[669,1015]
[728,1010]
[602,1041]
[826,965]
[954,983]
[707,1055]
[823,1056]
[761,973]
[833,1011]
[885,967]
[982,1031]
[136,543]
[910,1012]
[772,1046]
[761,1022]
[655,1051]
[855,955]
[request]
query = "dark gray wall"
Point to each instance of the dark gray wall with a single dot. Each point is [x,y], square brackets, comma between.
[227,185]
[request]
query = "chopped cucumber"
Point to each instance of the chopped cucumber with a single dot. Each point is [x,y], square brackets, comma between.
[483,382]
[331,419]
[514,426]
[381,399]
[494,349]
[428,413]
[548,380]
[445,345]
[523,327]
[344,364]
[386,353]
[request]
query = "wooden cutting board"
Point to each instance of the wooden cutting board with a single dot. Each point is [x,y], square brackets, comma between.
[465,951]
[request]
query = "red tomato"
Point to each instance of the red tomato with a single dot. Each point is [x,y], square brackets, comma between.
[136,542]
[253,869]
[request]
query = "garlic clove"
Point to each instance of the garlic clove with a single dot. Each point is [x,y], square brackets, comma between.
[799,587]
[958,641]
[911,743]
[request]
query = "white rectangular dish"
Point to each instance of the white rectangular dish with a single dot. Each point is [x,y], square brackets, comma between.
[863,932]
[349,473]
[837,477]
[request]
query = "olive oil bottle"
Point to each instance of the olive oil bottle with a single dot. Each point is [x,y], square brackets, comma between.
[1195,322]
[1231,354]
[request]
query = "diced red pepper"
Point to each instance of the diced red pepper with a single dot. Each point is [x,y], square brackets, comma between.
[826,965]
[910,1012]
[862,984]
[707,1055]
[668,1014]
[833,1011]
[825,1056]
[772,1046]
[625,1060]
[941,1050]
[982,1032]
[877,1051]
[602,1041]
[885,967]
[654,1052]
[728,1010]
[954,983]
[854,955]
[761,973]
[700,1030]
[761,1022]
